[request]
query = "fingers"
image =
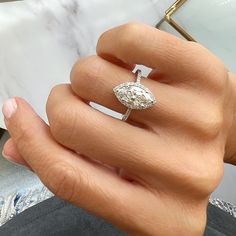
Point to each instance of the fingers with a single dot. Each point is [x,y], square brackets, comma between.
[69,176]
[97,136]
[78,126]
[94,78]
[136,43]
[10,153]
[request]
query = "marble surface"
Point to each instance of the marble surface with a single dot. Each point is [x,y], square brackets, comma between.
[41,39]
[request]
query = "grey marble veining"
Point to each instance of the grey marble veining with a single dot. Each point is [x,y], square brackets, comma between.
[40,40]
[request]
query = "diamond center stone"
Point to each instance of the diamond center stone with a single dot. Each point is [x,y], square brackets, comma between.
[134,95]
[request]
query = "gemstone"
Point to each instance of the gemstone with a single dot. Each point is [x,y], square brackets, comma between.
[134,95]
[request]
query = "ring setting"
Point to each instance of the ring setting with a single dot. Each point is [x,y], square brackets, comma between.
[134,95]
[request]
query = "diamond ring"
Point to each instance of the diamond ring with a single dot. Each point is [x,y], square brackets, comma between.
[134,95]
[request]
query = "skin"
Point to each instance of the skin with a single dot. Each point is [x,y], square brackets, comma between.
[153,174]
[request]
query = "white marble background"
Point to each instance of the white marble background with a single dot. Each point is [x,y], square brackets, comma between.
[41,39]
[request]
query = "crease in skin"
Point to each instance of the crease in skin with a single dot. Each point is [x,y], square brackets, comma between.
[176,161]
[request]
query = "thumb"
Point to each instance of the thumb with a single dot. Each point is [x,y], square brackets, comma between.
[68,175]
[23,124]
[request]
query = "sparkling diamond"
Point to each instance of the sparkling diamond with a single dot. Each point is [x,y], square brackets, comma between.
[134,95]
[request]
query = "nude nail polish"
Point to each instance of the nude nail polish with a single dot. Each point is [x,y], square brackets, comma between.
[9,108]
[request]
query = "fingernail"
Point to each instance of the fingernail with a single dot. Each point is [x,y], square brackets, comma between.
[10,159]
[9,108]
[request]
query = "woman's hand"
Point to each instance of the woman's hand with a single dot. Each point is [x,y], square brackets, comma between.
[169,157]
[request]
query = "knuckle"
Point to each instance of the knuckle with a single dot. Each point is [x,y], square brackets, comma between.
[213,71]
[101,41]
[56,89]
[25,133]
[63,123]
[212,125]
[123,30]
[130,32]
[205,179]
[63,180]
[52,97]
[86,71]
[25,136]
[131,27]
[201,177]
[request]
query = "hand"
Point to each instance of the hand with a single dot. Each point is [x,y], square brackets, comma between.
[169,157]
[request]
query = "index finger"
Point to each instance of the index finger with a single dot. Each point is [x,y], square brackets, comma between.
[177,60]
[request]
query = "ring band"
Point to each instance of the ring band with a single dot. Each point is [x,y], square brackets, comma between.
[134,95]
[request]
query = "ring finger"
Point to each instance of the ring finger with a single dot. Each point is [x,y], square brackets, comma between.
[94,78]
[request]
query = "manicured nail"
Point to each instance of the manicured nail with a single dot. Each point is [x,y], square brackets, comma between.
[9,108]
[10,159]
[15,162]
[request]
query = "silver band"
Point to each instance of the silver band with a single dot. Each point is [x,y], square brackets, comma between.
[127,114]
[134,95]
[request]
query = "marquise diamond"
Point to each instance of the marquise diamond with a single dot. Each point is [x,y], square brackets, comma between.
[134,95]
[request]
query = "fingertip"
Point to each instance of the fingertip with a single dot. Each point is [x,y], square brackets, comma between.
[11,154]
[9,158]
[9,108]
[9,148]
[19,116]
[26,129]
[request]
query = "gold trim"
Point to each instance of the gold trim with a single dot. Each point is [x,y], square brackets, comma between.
[177,27]
[174,8]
